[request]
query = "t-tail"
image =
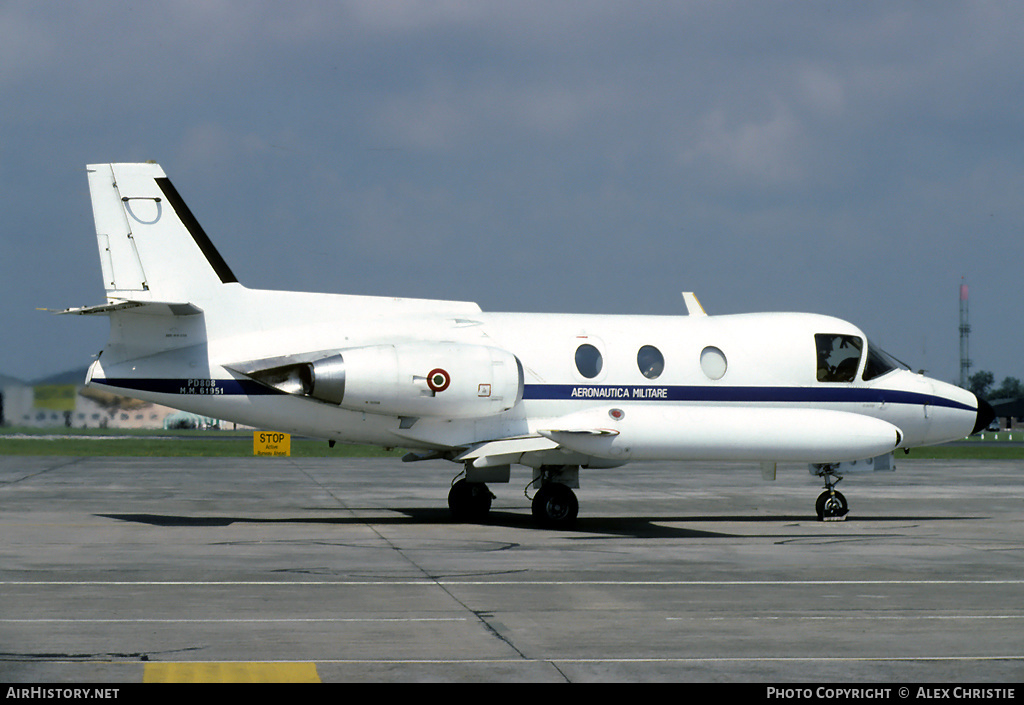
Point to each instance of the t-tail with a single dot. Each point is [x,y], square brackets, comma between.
[162,275]
[152,249]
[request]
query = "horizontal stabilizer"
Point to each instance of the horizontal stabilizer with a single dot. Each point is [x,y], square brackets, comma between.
[146,308]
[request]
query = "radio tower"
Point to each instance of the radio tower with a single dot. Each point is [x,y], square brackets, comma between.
[965,334]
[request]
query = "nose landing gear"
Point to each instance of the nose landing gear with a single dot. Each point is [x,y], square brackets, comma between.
[831,504]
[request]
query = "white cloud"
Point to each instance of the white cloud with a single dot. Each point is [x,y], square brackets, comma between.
[441,114]
[765,150]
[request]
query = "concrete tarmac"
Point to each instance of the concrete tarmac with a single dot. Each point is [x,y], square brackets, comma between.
[128,569]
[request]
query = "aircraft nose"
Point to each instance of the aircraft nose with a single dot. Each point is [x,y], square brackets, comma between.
[986,414]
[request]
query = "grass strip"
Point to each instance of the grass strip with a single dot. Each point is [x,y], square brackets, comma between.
[164,444]
[238,444]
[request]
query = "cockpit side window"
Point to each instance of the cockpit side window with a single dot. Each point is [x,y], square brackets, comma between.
[838,356]
[879,363]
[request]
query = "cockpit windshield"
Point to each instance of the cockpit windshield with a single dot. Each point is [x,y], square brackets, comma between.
[880,363]
[838,357]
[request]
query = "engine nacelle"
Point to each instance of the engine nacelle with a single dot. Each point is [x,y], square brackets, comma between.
[446,380]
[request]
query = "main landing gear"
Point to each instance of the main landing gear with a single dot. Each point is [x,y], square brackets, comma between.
[469,501]
[831,504]
[554,505]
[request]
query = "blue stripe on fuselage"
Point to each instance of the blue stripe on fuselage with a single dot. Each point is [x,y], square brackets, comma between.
[686,393]
[592,392]
[191,387]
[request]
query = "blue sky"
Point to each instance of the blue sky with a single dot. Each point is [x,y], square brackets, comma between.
[850,158]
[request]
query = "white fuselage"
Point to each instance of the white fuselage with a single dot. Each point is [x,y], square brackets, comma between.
[739,387]
[554,392]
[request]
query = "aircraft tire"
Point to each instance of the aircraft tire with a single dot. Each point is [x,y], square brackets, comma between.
[469,501]
[830,504]
[555,506]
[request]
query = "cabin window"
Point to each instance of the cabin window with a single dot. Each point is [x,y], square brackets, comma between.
[650,361]
[589,361]
[838,357]
[713,362]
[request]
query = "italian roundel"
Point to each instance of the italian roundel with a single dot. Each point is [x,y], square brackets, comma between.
[438,380]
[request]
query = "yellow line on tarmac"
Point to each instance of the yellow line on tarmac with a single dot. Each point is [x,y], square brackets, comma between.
[232,672]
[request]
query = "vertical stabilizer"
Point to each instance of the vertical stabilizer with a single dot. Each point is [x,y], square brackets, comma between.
[151,246]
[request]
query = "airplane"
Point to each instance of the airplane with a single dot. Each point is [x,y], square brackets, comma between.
[555,393]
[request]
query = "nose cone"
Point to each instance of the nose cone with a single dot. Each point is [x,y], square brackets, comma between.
[986,414]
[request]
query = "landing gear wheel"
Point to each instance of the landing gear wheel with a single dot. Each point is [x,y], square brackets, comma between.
[469,501]
[831,506]
[555,506]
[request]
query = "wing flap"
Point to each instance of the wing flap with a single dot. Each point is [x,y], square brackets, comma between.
[499,451]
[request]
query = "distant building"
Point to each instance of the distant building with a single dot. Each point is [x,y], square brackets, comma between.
[12,396]
[186,419]
[1009,411]
[57,402]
